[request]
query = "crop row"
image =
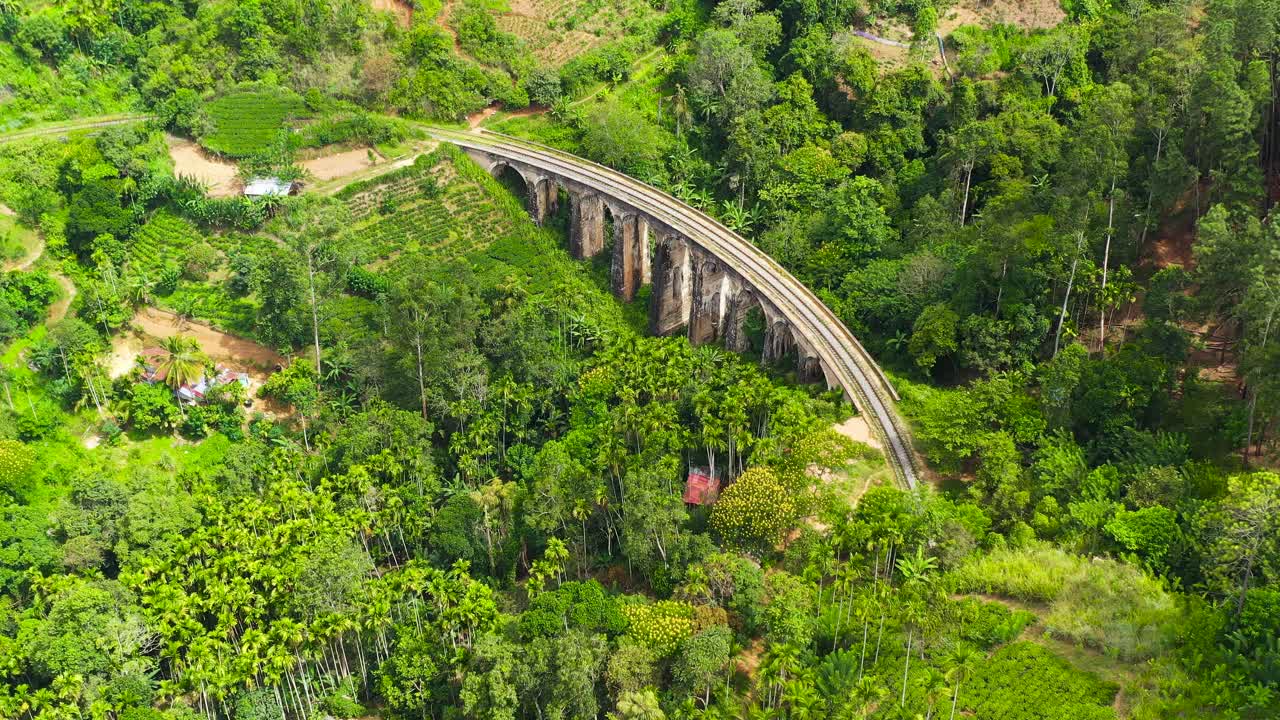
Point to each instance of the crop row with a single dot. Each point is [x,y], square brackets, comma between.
[246,122]
[162,240]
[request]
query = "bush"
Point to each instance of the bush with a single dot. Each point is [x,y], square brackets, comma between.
[151,407]
[257,704]
[16,461]
[201,259]
[1025,681]
[987,624]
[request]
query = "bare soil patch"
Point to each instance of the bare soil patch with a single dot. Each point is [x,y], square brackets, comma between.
[6,210]
[237,353]
[401,9]
[856,428]
[125,349]
[1026,14]
[341,164]
[191,161]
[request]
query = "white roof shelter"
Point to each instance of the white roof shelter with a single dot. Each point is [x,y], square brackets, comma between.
[267,187]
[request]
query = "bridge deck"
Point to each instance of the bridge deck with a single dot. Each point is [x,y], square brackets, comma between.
[840,352]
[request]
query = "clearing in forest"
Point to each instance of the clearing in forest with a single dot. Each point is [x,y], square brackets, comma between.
[556,31]
[237,353]
[402,9]
[890,38]
[190,161]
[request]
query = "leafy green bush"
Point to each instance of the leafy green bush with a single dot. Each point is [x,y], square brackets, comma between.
[987,624]
[1024,681]
[581,605]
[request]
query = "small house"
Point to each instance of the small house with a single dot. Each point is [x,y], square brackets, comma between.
[260,187]
[701,488]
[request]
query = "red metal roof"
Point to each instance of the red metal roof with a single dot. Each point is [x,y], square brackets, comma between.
[700,488]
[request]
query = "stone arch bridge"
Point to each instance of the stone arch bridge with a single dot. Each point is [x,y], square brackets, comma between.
[705,278]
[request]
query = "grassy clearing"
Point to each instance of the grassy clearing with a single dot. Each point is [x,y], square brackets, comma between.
[1110,606]
[16,241]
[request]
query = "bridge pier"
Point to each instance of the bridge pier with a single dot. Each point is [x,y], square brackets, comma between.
[778,342]
[735,326]
[543,198]
[586,225]
[711,288]
[630,255]
[670,302]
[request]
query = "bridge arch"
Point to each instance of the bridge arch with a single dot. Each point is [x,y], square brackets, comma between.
[706,280]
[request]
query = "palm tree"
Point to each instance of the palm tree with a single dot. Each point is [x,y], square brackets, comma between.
[138,288]
[935,688]
[182,363]
[963,662]
[639,705]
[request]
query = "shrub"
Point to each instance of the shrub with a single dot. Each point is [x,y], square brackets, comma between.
[1025,681]
[16,461]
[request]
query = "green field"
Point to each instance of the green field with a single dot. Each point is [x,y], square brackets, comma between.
[247,121]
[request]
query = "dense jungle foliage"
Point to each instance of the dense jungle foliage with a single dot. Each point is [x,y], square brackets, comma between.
[436,470]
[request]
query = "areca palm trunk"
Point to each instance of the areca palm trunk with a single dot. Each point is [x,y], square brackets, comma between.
[906,667]
[1106,260]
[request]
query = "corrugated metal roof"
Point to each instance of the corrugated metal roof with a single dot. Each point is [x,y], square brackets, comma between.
[267,186]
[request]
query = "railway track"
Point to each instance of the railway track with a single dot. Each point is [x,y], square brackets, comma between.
[852,367]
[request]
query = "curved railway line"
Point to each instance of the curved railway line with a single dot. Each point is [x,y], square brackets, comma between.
[841,353]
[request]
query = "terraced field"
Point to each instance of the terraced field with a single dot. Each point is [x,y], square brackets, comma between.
[162,241]
[559,30]
[434,211]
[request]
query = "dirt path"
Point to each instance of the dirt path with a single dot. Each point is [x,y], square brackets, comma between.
[236,352]
[31,257]
[330,187]
[67,126]
[6,210]
[58,310]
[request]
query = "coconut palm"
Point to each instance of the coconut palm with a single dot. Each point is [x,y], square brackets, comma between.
[182,363]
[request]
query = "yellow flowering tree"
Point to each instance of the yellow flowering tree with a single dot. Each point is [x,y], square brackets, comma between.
[755,510]
[16,460]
